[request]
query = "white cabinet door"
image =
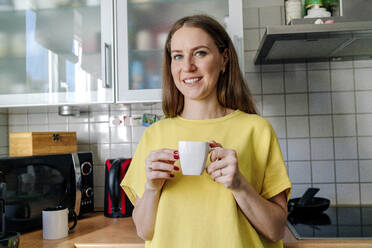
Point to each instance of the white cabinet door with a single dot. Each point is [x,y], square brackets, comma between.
[56,52]
[141,28]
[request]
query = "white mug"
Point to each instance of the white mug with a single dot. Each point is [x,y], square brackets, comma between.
[193,155]
[55,222]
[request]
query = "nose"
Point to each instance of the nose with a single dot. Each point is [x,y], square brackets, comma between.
[188,64]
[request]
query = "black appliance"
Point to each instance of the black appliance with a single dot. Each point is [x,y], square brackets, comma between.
[37,182]
[349,222]
[117,203]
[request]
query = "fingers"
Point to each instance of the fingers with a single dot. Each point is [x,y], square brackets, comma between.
[160,164]
[162,155]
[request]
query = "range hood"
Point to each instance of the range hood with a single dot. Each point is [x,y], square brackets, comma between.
[315,43]
[349,37]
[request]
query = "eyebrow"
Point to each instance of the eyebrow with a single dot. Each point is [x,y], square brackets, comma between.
[192,49]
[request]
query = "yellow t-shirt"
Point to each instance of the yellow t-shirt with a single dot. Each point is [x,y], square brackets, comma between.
[195,211]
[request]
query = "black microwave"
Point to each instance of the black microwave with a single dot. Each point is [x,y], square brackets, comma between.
[37,182]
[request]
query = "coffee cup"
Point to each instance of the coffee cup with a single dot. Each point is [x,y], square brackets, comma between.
[55,222]
[193,155]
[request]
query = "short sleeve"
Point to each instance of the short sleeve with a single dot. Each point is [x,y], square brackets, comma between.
[134,180]
[276,178]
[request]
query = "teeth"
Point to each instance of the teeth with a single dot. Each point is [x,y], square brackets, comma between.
[189,81]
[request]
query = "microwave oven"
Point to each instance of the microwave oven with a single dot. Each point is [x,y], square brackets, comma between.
[33,183]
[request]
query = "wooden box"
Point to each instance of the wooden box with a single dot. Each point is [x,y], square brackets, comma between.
[41,143]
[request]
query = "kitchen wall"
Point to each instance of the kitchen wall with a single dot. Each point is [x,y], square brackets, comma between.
[93,129]
[321,112]
[3,132]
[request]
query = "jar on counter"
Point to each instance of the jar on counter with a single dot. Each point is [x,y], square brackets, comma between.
[293,10]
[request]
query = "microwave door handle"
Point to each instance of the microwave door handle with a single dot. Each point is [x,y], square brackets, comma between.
[77,169]
[114,185]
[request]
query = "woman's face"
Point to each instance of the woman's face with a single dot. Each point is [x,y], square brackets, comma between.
[196,63]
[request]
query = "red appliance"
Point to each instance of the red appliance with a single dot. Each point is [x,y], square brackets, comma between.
[117,204]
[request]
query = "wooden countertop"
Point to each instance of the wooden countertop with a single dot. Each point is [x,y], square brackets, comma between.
[96,231]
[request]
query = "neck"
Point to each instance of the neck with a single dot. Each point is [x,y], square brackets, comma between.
[198,110]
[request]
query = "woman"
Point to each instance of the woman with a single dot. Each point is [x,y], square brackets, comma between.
[240,199]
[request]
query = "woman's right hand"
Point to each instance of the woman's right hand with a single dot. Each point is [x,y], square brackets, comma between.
[160,167]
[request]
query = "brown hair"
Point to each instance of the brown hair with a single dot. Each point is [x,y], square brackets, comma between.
[232,92]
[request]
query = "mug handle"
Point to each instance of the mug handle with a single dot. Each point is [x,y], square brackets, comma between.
[72,212]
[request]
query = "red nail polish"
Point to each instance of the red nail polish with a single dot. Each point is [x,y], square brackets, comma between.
[176,156]
[175,152]
[176,168]
[171,175]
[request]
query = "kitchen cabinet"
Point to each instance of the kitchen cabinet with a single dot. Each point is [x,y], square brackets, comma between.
[55,52]
[70,52]
[142,28]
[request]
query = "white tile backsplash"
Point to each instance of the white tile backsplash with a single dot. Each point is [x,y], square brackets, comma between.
[321,126]
[298,127]
[295,81]
[321,148]
[272,82]
[319,81]
[347,171]
[342,80]
[344,125]
[364,101]
[38,118]
[298,149]
[273,105]
[363,79]
[366,193]
[364,123]
[343,102]
[346,148]
[99,176]
[320,103]
[99,133]
[254,82]
[365,170]
[120,134]
[365,147]
[299,172]
[348,193]
[251,18]
[121,151]
[296,104]
[323,171]
[251,39]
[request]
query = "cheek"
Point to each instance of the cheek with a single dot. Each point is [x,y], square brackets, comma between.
[174,71]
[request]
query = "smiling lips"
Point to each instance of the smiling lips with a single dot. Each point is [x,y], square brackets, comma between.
[192,81]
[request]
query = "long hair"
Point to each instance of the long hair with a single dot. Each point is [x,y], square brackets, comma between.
[232,91]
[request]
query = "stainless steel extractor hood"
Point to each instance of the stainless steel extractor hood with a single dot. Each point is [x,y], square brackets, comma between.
[348,38]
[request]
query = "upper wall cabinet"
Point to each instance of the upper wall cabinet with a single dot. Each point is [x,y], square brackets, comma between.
[142,27]
[56,52]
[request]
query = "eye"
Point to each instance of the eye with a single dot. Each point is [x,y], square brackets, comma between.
[200,53]
[177,56]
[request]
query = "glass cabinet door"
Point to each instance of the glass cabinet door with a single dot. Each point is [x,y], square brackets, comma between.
[55,52]
[142,27]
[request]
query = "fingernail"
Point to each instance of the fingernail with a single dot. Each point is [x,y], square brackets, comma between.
[176,156]
[171,175]
[176,168]
[175,152]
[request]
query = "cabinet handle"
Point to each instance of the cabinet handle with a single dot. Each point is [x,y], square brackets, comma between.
[107,81]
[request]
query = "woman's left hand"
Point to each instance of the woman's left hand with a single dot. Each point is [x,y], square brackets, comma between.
[224,166]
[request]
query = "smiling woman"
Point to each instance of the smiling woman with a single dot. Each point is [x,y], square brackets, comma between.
[240,199]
